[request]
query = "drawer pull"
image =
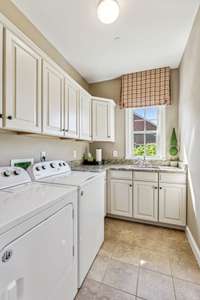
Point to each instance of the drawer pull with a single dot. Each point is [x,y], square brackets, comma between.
[9,117]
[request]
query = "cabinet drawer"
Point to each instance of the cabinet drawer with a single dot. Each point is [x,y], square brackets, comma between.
[127,175]
[146,176]
[172,178]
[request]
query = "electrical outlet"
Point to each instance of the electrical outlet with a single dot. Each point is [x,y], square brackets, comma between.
[115,153]
[43,155]
[74,154]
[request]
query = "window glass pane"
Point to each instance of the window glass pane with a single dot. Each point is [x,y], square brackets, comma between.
[151,144]
[138,144]
[151,125]
[138,150]
[139,125]
[151,150]
[150,138]
[151,118]
[138,114]
[151,113]
[138,139]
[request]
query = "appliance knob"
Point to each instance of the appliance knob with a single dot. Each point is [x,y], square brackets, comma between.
[64,164]
[17,172]
[37,168]
[6,173]
[6,256]
[44,167]
[60,164]
[52,165]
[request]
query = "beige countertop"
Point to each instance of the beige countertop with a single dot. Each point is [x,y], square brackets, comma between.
[121,167]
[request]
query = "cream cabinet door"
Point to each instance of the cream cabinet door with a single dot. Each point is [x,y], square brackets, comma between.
[111,122]
[121,197]
[145,201]
[23,85]
[103,120]
[172,204]
[1,75]
[71,109]
[53,90]
[85,116]
[100,120]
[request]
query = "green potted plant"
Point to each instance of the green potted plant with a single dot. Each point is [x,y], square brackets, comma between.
[173,149]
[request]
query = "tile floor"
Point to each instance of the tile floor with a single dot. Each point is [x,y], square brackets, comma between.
[142,262]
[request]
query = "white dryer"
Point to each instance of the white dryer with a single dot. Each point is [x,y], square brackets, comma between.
[90,187]
[38,238]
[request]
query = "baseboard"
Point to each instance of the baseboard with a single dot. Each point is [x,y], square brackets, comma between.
[193,245]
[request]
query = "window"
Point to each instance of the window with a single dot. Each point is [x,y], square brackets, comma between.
[145,134]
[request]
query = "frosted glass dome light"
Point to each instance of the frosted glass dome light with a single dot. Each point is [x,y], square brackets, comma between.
[108,11]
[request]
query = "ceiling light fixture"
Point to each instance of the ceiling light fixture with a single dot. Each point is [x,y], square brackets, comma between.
[108,11]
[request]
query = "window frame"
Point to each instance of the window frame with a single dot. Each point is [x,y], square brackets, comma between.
[161,134]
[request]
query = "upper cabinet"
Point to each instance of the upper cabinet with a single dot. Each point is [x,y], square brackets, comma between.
[38,96]
[71,109]
[103,119]
[53,89]
[22,85]
[1,75]
[85,115]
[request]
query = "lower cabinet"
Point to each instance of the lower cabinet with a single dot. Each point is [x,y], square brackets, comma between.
[145,201]
[121,195]
[172,204]
[154,201]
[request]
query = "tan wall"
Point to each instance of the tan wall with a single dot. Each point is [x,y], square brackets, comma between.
[189,123]
[111,89]
[25,146]
[16,17]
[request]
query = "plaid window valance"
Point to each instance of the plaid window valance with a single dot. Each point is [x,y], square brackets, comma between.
[147,88]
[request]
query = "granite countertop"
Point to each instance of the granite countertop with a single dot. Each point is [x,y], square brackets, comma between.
[103,168]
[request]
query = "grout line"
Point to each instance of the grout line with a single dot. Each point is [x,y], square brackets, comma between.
[138,275]
[174,287]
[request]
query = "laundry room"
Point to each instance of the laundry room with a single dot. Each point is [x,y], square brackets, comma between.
[99,150]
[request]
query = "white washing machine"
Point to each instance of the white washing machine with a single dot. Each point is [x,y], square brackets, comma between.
[90,187]
[38,238]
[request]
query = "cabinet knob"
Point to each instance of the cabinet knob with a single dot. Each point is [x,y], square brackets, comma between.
[160,188]
[82,193]
[1,116]
[155,187]
[130,185]
[9,117]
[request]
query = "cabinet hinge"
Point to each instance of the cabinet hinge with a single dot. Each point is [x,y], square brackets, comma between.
[73,250]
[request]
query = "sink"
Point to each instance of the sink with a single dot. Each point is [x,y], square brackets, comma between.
[146,167]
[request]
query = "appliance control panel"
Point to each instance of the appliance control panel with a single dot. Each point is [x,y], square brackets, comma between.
[12,176]
[48,168]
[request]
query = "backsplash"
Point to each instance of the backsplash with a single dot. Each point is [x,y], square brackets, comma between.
[16,146]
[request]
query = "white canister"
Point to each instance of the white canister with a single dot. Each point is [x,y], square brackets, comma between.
[99,155]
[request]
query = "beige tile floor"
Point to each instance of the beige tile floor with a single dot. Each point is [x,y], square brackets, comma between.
[142,262]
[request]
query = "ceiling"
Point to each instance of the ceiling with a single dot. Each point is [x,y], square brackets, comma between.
[148,34]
